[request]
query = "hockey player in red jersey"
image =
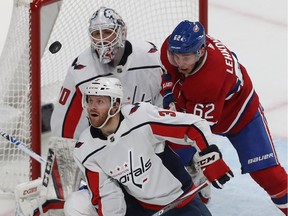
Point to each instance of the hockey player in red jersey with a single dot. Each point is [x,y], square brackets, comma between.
[136,63]
[127,166]
[205,78]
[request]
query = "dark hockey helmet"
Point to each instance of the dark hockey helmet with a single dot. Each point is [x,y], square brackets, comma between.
[187,37]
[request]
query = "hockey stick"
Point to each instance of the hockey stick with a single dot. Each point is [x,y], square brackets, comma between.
[181,199]
[22,147]
[51,162]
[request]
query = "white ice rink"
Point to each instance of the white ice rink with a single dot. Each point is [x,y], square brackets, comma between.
[256,30]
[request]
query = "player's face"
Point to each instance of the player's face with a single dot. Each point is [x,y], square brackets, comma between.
[97,108]
[185,62]
[104,36]
[105,43]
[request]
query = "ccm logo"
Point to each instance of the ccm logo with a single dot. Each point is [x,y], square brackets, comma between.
[208,159]
[48,169]
[30,190]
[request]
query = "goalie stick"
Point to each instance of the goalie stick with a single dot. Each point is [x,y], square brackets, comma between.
[181,199]
[51,158]
[23,147]
[51,167]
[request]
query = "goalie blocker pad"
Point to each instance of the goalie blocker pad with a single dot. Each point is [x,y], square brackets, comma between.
[31,200]
[61,177]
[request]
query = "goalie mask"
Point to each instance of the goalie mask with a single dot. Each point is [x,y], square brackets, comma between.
[107,32]
[105,86]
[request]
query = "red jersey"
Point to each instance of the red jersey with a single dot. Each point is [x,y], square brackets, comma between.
[218,89]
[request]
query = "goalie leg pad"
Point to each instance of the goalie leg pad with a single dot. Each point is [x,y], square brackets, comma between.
[50,207]
[274,181]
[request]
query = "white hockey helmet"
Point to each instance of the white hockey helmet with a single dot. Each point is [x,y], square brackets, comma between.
[107,19]
[105,86]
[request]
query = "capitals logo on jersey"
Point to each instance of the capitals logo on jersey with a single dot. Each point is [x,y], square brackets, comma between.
[133,172]
[153,49]
[134,109]
[77,66]
[78,144]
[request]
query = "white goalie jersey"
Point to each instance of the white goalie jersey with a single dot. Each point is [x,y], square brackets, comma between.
[136,157]
[139,71]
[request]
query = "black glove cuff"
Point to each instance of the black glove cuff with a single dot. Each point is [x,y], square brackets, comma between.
[210,148]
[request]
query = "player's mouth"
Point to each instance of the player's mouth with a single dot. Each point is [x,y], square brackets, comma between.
[94,114]
[183,70]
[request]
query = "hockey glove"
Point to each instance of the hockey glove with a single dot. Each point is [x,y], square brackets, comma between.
[167,86]
[213,166]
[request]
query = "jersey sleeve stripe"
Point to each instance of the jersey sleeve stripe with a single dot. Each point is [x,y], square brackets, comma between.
[182,132]
[72,115]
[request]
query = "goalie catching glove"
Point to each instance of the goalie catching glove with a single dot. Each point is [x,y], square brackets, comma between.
[213,166]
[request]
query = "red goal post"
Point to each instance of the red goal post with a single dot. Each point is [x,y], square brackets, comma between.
[31,76]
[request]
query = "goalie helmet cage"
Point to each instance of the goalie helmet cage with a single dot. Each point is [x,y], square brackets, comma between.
[31,75]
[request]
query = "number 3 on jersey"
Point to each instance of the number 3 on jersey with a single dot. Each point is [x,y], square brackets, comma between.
[167,112]
[204,110]
[64,96]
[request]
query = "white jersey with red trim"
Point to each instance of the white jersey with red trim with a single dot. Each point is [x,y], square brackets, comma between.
[136,157]
[139,72]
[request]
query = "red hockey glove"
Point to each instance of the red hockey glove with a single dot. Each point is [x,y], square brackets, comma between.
[167,86]
[213,166]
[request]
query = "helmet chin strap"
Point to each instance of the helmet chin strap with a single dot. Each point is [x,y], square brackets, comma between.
[108,117]
[198,54]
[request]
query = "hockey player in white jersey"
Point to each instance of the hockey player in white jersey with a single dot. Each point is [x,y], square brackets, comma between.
[136,64]
[128,168]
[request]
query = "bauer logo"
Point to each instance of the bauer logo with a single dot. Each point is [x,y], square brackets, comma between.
[260,158]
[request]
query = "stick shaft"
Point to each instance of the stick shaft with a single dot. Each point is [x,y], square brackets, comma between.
[22,146]
[181,199]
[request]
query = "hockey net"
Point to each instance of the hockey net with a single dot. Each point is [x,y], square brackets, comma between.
[31,76]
